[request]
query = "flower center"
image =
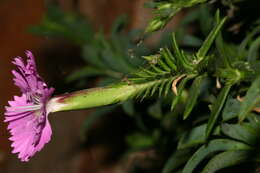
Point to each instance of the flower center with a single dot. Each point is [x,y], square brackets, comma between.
[33,99]
[25,108]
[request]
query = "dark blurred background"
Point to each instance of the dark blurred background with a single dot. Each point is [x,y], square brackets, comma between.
[56,58]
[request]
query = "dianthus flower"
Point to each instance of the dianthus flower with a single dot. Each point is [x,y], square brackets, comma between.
[27,114]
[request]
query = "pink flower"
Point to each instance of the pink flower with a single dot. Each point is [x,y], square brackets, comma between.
[27,114]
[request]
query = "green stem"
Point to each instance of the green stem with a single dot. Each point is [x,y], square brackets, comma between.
[95,97]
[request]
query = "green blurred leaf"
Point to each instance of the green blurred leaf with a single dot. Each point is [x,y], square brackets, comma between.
[251,99]
[242,132]
[87,71]
[248,39]
[256,66]
[165,10]
[178,158]
[106,81]
[116,55]
[180,89]
[226,159]
[140,140]
[194,93]
[253,52]
[128,107]
[202,52]
[190,40]
[254,121]
[195,136]
[205,18]
[119,24]
[216,108]
[182,61]
[155,110]
[231,109]
[57,23]
[223,51]
[212,147]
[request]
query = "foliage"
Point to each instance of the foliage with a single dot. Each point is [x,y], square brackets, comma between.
[203,113]
[165,10]
[57,23]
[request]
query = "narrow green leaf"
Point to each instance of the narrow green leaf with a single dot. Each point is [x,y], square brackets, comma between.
[172,58]
[147,92]
[226,159]
[205,18]
[181,87]
[211,147]
[202,52]
[152,59]
[254,121]
[143,74]
[164,66]
[186,60]
[178,158]
[231,109]
[169,59]
[195,136]
[155,88]
[194,92]
[91,54]
[222,48]
[191,40]
[113,60]
[158,70]
[137,79]
[251,99]
[180,56]
[158,23]
[168,86]
[175,46]
[249,37]
[254,50]
[216,109]
[256,66]
[162,87]
[149,72]
[241,132]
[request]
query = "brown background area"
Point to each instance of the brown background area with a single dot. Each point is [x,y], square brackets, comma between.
[14,19]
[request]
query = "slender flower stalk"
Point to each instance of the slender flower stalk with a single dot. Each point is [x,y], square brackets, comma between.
[27,115]
[95,97]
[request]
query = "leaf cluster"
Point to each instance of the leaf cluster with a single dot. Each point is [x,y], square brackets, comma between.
[110,57]
[200,110]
